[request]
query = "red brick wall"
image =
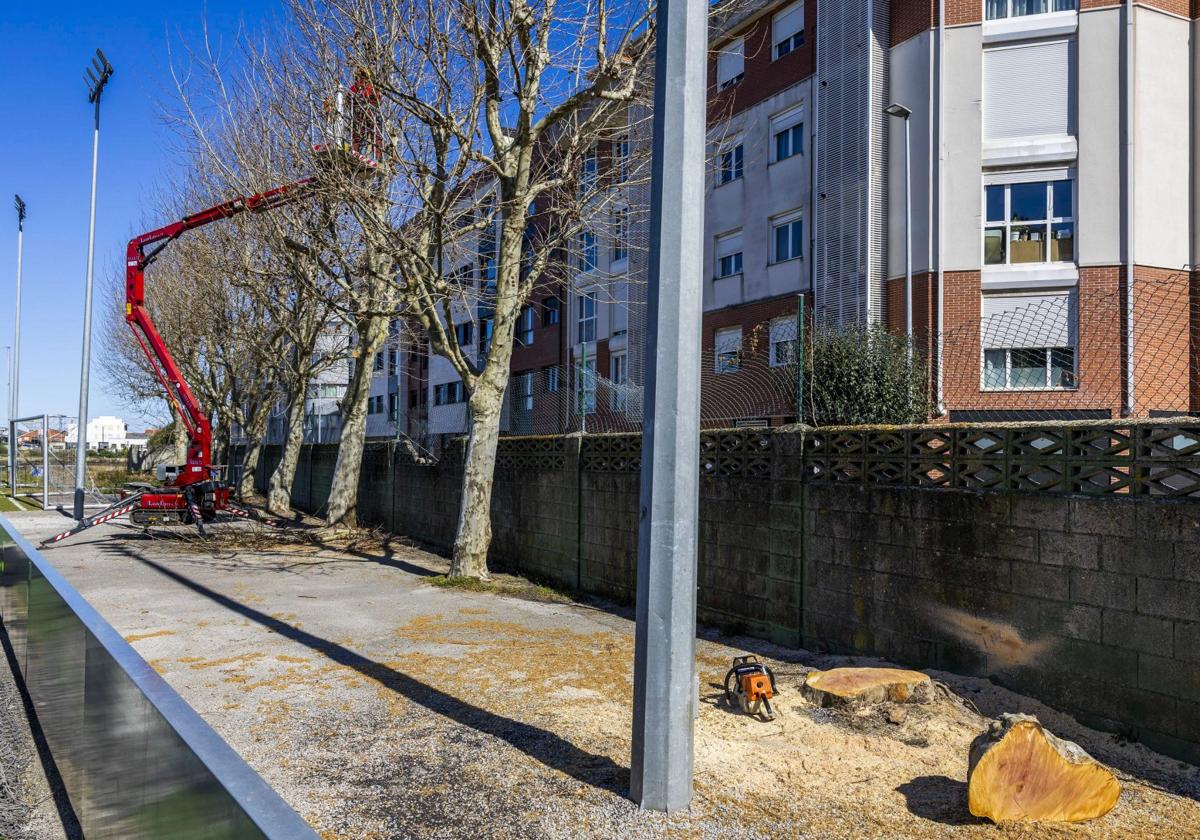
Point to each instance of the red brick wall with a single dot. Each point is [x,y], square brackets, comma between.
[1100,350]
[912,17]
[925,305]
[963,11]
[1164,316]
[764,77]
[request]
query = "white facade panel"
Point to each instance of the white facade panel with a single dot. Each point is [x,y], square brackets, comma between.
[963,138]
[912,65]
[1162,139]
[1099,188]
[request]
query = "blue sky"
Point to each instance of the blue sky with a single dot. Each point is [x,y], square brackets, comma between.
[45,155]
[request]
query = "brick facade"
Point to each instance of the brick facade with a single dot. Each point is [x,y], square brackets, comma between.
[765,76]
[912,17]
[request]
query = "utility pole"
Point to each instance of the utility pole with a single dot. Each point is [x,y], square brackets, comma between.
[96,82]
[14,392]
[665,690]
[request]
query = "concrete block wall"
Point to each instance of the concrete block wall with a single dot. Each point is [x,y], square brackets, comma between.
[1089,604]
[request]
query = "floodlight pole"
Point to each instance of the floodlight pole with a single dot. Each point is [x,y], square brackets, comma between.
[14,392]
[901,112]
[96,82]
[664,674]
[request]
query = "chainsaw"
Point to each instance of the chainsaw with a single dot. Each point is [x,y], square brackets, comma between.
[753,685]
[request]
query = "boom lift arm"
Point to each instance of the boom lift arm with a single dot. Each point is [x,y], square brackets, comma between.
[141,252]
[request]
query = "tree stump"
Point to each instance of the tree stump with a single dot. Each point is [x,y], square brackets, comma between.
[1019,771]
[854,686]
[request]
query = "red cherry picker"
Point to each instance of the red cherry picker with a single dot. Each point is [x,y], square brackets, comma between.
[194,493]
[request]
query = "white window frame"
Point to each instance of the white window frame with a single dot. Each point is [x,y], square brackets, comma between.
[731,63]
[789,41]
[585,317]
[784,332]
[783,122]
[723,247]
[731,163]
[618,368]
[589,253]
[620,159]
[1052,6]
[1048,352]
[787,220]
[725,359]
[589,174]
[1007,181]
[620,239]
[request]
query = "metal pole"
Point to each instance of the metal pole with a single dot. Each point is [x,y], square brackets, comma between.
[45,462]
[665,692]
[799,358]
[908,299]
[14,394]
[97,89]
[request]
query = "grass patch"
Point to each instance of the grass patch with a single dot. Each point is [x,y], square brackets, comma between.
[7,505]
[502,585]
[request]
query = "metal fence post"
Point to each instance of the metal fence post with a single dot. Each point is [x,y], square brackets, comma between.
[665,692]
[45,462]
[12,458]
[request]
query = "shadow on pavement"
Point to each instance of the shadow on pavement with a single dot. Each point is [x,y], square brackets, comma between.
[542,745]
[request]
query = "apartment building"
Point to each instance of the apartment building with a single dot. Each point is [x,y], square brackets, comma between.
[1053,156]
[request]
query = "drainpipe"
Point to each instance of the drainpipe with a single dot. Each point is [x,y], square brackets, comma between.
[941,161]
[812,181]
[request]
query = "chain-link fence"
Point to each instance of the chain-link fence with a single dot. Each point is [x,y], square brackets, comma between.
[41,461]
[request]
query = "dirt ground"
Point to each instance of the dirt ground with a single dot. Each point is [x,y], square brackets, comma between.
[383,706]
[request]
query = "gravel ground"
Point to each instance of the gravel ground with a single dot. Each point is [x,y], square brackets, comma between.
[381,706]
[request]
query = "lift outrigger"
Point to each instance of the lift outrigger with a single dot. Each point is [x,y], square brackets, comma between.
[194,493]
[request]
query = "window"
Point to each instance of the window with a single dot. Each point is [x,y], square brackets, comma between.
[783,342]
[449,393]
[393,407]
[590,171]
[729,164]
[586,316]
[461,276]
[729,255]
[788,30]
[391,362]
[788,237]
[550,312]
[486,327]
[618,369]
[379,361]
[587,251]
[620,158]
[727,350]
[585,390]
[524,401]
[620,247]
[787,134]
[525,323]
[1032,222]
[464,333]
[1028,341]
[550,374]
[731,64]
[1028,90]
[997,9]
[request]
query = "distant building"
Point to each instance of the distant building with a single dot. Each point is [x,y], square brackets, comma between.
[104,433]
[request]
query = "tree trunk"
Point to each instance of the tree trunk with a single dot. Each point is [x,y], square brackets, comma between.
[181,441]
[474,534]
[255,435]
[343,492]
[279,490]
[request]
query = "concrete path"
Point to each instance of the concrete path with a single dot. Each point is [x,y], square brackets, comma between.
[382,706]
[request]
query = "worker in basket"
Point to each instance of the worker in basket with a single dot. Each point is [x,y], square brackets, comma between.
[366,135]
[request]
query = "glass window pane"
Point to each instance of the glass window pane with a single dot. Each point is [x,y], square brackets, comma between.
[781,241]
[995,203]
[1062,367]
[797,234]
[1062,242]
[1028,201]
[781,145]
[1028,368]
[997,9]
[1028,7]
[1064,5]
[1027,244]
[798,138]
[993,246]
[993,368]
[1063,204]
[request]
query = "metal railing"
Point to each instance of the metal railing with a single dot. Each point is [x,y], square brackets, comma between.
[136,760]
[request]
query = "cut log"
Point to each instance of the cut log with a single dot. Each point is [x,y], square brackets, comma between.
[1019,771]
[853,686]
